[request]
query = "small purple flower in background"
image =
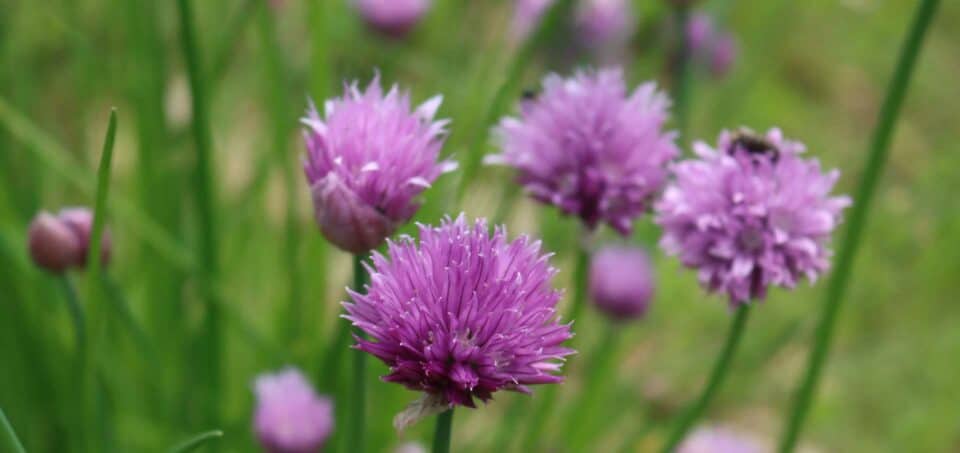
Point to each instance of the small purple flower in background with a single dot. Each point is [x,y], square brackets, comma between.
[392,17]
[711,47]
[602,23]
[700,31]
[368,160]
[57,243]
[621,282]
[290,417]
[723,53]
[718,440]
[461,314]
[750,214]
[527,15]
[591,148]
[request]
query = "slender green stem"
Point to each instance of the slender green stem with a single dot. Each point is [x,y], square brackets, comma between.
[441,436]
[96,314]
[545,409]
[681,71]
[877,157]
[591,396]
[720,369]
[10,440]
[356,439]
[210,343]
[76,314]
[282,123]
[552,23]
[580,283]
[196,441]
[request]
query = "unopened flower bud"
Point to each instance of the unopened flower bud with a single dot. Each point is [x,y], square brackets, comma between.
[621,282]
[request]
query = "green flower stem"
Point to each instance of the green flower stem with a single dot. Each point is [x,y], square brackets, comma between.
[358,407]
[9,437]
[76,314]
[877,157]
[210,343]
[720,369]
[681,72]
[580,277]
[441,436]
[542,414]
[551,24]
[282,122]
[587,408]
[96,312]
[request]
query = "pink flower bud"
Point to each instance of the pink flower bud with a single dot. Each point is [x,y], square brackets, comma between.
[345,220]
[392,17]
[621,282]
[80,220]
[52,244]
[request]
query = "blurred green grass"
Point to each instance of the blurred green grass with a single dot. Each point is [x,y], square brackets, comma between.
[817,69]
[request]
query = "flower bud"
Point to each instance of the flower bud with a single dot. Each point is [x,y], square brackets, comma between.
[621,282]
[80,221]
[392,17]
[722,55]
[53,245]
[345,220]
[290,417]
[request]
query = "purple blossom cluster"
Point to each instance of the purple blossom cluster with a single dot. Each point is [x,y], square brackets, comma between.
[590,147]
[462,313]
[750,213]
[368,158]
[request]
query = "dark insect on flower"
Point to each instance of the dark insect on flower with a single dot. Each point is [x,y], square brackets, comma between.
[747,222]
[752,143]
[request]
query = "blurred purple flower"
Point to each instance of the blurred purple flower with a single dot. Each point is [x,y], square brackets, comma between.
[700,31]
[621,282]
[590,148]
[392,17]
[462,313]
[602,23]
[290,417]
[722,55]
[710,46]
[61,242]
[750,214]
[527,15]
[368,160]
[717,440]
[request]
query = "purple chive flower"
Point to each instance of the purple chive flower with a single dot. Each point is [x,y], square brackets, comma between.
[591,148]
[367,161]
[604,22]
[717,440]
[392,17]
[722,55]
[750,214]
[290,417]
[527,15]
[462,313]
[61,242]
[699,31]
[621,282]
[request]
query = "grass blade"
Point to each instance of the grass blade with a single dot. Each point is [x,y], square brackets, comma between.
[196,442]
[10,440]
[209,344]
[877,157]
